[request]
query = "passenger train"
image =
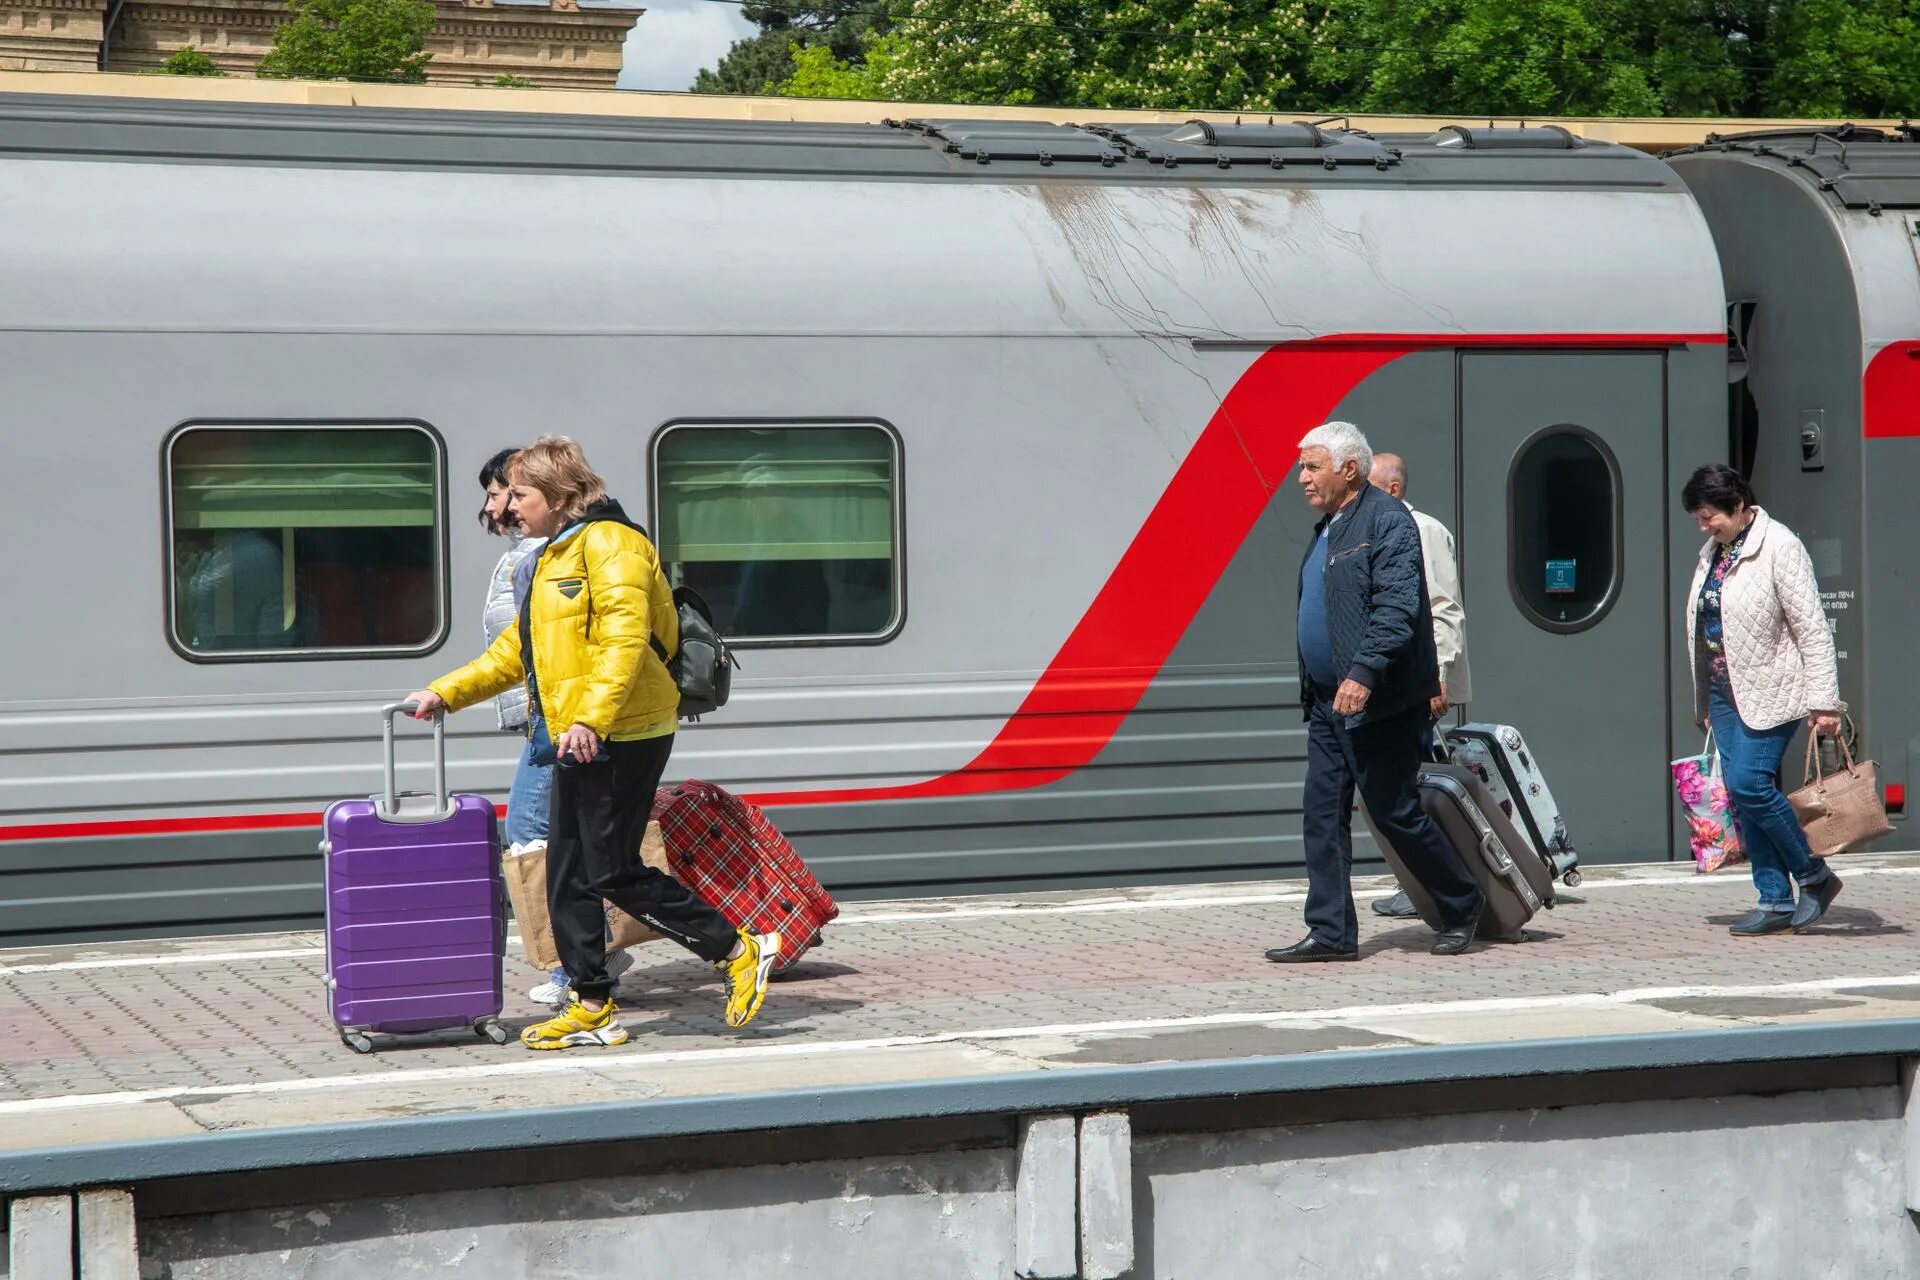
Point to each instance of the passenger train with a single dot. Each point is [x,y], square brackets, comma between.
[978,435]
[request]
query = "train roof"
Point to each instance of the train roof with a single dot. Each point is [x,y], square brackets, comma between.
[1852,166]
[1197,152]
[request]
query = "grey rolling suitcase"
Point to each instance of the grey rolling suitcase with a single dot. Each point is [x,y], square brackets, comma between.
[1505,864]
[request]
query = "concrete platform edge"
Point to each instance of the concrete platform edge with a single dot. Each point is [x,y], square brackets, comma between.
[123,1163]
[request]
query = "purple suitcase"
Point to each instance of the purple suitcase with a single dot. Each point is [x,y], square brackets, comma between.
[416,908]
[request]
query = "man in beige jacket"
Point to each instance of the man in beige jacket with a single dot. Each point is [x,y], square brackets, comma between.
[1449,619]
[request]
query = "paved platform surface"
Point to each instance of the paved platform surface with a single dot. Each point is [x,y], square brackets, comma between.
[113,1042]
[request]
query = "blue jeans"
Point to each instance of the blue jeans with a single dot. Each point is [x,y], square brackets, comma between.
[1750,762]
[529,800]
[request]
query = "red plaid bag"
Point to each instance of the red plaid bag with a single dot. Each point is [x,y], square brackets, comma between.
[731,854]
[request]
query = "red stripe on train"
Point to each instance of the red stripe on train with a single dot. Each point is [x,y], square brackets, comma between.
[1106,663]
[1890,392]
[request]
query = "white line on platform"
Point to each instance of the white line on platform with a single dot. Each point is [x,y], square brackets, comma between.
[1110,905]
[857,917]
[124,962]
[543,1065]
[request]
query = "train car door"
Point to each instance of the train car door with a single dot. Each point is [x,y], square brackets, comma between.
[1563,563]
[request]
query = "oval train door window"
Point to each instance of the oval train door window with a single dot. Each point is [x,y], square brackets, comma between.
[1564,538]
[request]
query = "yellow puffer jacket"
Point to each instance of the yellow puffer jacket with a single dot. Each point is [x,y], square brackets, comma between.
[597,596]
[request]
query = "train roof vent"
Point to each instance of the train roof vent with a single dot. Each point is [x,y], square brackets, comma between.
[1860,166]
[1545,137]
[1268,143]
[984,141]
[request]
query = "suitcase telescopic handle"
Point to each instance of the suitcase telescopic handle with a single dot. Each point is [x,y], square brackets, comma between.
[390,806]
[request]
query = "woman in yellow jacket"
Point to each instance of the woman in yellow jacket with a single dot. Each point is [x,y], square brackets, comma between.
[584,645]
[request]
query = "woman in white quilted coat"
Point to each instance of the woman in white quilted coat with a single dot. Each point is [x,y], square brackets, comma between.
[1763,661]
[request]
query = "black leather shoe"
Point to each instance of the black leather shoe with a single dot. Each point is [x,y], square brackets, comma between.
[1398,907]
[1761,923]
[1452,942]
[1815,898]
[1309,950]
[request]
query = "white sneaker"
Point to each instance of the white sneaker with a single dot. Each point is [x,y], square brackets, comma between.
[555,993]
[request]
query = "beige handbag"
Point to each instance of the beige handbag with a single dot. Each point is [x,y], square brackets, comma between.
[527,888]
[1839,811]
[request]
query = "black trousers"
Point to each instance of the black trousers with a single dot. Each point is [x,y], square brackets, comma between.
[598,819]
[1381,759]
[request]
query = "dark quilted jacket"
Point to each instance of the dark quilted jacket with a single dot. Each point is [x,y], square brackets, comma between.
[1378,615]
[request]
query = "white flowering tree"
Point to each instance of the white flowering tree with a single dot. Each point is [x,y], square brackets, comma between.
[1224,55]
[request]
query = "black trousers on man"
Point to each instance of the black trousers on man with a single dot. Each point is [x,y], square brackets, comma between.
[599,816]
[1382,759]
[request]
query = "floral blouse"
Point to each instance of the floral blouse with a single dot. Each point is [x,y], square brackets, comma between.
[1712,647]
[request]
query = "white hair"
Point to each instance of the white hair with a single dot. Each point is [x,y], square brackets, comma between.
[1345,442]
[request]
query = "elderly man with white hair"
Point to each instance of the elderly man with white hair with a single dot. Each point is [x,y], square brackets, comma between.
[1368,676]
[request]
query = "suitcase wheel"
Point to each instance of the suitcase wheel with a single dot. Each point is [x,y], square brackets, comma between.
[358,1041]
[1571,879]
[491,1029]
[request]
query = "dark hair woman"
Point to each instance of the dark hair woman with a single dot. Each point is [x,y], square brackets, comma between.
[582,647]
[1762,661]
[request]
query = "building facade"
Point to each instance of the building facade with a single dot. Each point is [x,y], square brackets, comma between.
[554,44]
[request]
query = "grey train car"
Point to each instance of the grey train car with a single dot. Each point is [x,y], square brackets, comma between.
[979,437]
[1819,240]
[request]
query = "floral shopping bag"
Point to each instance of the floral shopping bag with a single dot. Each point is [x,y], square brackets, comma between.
[1713,830]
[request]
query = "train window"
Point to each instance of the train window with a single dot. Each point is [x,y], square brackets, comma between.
[790,531]
[1563,529]
[304,540]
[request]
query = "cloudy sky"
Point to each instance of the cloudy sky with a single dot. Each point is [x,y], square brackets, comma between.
[675,38]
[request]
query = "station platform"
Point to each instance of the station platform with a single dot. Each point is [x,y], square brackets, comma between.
[151,1059]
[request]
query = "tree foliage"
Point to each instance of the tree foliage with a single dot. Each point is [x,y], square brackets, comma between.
[818,74]
[1172,54]
[1453,57]
[189,62]
[1622,57]
[366,40]
[768,59]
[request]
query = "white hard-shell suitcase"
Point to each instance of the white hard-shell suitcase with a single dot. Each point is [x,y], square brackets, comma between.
[1499,757]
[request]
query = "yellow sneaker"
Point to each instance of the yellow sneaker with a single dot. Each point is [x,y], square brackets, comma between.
[747,975]
[574,1026]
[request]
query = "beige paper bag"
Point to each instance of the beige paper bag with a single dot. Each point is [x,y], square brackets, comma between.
[527,889]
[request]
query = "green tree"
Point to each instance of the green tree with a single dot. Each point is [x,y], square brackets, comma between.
[1168,54]
[1438,57]
[1840,58]
[1621,57]
[767,59]
[818,74]
[366,40]
[506,80]
[189,62]
[1480,57]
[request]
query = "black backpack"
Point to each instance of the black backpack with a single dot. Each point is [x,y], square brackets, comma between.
[703,666]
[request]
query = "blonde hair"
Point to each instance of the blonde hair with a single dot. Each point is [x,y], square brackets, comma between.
[556,466]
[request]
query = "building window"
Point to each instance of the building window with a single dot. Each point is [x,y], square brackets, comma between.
[791,532]
[304,540]
[1564,534]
